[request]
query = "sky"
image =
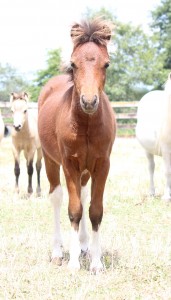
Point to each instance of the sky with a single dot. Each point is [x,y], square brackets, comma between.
[30,28]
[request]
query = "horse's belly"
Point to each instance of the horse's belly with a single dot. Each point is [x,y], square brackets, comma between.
[149,120]
[148,139]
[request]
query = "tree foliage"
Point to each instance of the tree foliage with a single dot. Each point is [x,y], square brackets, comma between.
[161,26]
[10,81]
[53,68]
[135,66]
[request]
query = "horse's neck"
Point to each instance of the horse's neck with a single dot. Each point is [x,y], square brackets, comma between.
[26,129]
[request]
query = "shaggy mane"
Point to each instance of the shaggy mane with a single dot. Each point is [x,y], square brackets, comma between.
[97,31]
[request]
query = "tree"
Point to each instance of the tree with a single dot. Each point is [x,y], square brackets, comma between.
[54,62]
[135,66]
[11,81]
[161,26]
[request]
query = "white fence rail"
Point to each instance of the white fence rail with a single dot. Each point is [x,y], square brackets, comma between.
[126,112]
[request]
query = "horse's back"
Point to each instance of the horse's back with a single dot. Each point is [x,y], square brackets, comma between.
[149,118]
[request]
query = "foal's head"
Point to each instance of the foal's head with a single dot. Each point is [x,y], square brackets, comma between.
[89,61]
[19,109]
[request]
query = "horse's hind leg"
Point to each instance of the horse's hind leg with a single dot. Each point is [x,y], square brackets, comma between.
[16,155]
[151,168]
[83,233]
[56,195]
[38,169]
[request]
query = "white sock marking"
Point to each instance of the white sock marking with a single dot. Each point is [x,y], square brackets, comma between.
[74,251]
[83,234]
[56,200]
[95,252]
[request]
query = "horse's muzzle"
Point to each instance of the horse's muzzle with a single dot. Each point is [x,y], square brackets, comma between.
[88,106]
[17,128]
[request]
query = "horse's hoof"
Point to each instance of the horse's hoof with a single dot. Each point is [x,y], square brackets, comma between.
[30,192]
[57,261]
[96,268]
[38,192]
[16,191]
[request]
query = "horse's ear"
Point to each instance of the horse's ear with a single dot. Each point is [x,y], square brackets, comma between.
[25,96]
[11,98]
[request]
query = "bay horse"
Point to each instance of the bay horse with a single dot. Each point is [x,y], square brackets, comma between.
[77,130]
[2,127]
[153,131]
[25,138]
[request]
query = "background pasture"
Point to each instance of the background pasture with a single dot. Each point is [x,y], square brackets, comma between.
[135,235]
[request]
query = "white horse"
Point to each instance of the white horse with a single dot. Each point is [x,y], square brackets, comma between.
[25,137]
[153,131]
[2,127]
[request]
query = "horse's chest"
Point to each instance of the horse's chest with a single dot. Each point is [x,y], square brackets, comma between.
[23,143]
[85,148]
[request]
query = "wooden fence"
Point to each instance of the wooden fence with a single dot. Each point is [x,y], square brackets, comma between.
[125,112]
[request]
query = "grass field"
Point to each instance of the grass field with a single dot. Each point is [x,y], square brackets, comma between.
[135,236]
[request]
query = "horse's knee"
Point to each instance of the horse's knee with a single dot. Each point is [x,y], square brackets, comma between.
[38,166]
[75,215]
[95,214]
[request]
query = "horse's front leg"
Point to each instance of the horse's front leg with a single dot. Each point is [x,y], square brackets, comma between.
[29,156]
[75,213]
[99,177]
[83,233]
[17,174]
[30,174]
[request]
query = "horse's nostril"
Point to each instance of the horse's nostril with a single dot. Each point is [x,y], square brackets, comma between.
[17,128]
[94,100]
[83,99]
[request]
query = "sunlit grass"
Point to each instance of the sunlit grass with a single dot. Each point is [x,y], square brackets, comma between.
[135,236]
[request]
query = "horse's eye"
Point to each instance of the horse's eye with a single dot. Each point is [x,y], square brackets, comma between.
[73,65]
[25,111]
[106,65]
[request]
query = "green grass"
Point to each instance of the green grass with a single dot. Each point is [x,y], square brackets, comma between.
[135,236]
[126,132]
